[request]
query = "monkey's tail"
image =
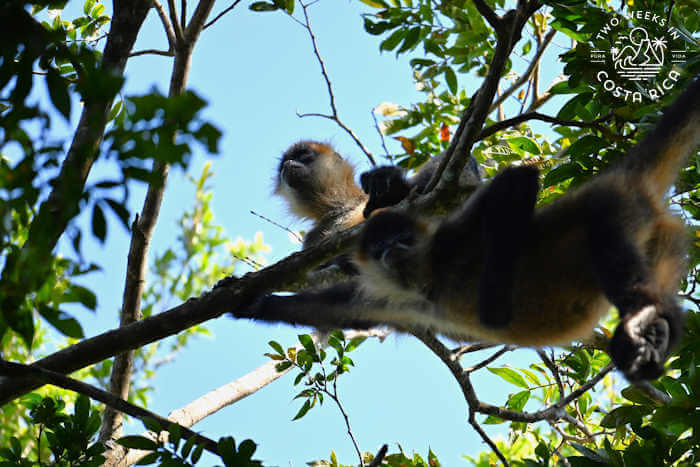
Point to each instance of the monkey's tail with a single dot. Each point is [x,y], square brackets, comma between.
[660,155]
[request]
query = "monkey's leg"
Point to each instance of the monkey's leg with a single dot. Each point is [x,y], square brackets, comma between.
[506,213]
[650,320]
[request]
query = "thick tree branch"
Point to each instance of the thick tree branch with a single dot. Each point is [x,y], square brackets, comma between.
[442,185]
[228,295]
[142,231]
[489,15]
[17,370]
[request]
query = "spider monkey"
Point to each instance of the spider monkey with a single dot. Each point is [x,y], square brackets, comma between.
[319,184]
[611,241]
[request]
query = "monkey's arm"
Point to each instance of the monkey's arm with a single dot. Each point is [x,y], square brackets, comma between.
[389,185]
[342,305]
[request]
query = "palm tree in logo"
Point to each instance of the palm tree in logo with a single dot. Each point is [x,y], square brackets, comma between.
[641,53]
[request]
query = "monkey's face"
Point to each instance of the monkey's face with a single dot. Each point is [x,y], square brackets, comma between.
[307,172]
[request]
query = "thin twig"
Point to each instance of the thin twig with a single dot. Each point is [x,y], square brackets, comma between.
[498,126]
[276,224]
[526,75]
[491,359]
[381,135]
[553,369]
[167,53]
[329,86]
[334,396]
[233,5]
[485,437]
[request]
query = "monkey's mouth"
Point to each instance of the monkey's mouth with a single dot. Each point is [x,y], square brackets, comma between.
[294,173]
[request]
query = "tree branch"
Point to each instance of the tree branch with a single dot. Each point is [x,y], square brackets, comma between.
[496,127]
[17,370]
[166,53]
[142,231]
[179,33]
[334,116]
[169,32]
[233,5]
[528,72]
[230,294]
[489,15]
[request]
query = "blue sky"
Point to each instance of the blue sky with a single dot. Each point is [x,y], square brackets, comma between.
[256,70]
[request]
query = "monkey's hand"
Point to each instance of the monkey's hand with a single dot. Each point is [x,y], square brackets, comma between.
[386,186]
[643,341]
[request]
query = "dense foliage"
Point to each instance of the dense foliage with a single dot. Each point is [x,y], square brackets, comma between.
[451,43]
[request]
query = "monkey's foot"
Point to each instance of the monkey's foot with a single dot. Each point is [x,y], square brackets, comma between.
[641,344]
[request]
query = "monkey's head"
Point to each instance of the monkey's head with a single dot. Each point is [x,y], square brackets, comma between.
[388,250]
[314,179]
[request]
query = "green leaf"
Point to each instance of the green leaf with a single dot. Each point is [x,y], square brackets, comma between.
[589,453]
[99,223]
[280,367]
[412,38]
[187,447]
[263,6]
[151,458]
[510,375]
[393,40]
[354,343]
[522,143]
[247,449]
[82,410]
[375,3]
[304,409]
[197,453]
[138,442]
[152,424]
[58,91]
[308,344]
[278,348]
[63,322]
[585,146]
[518,400]
[82,295]
[227,450]
[175,433]
[561,173]
[451,79]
